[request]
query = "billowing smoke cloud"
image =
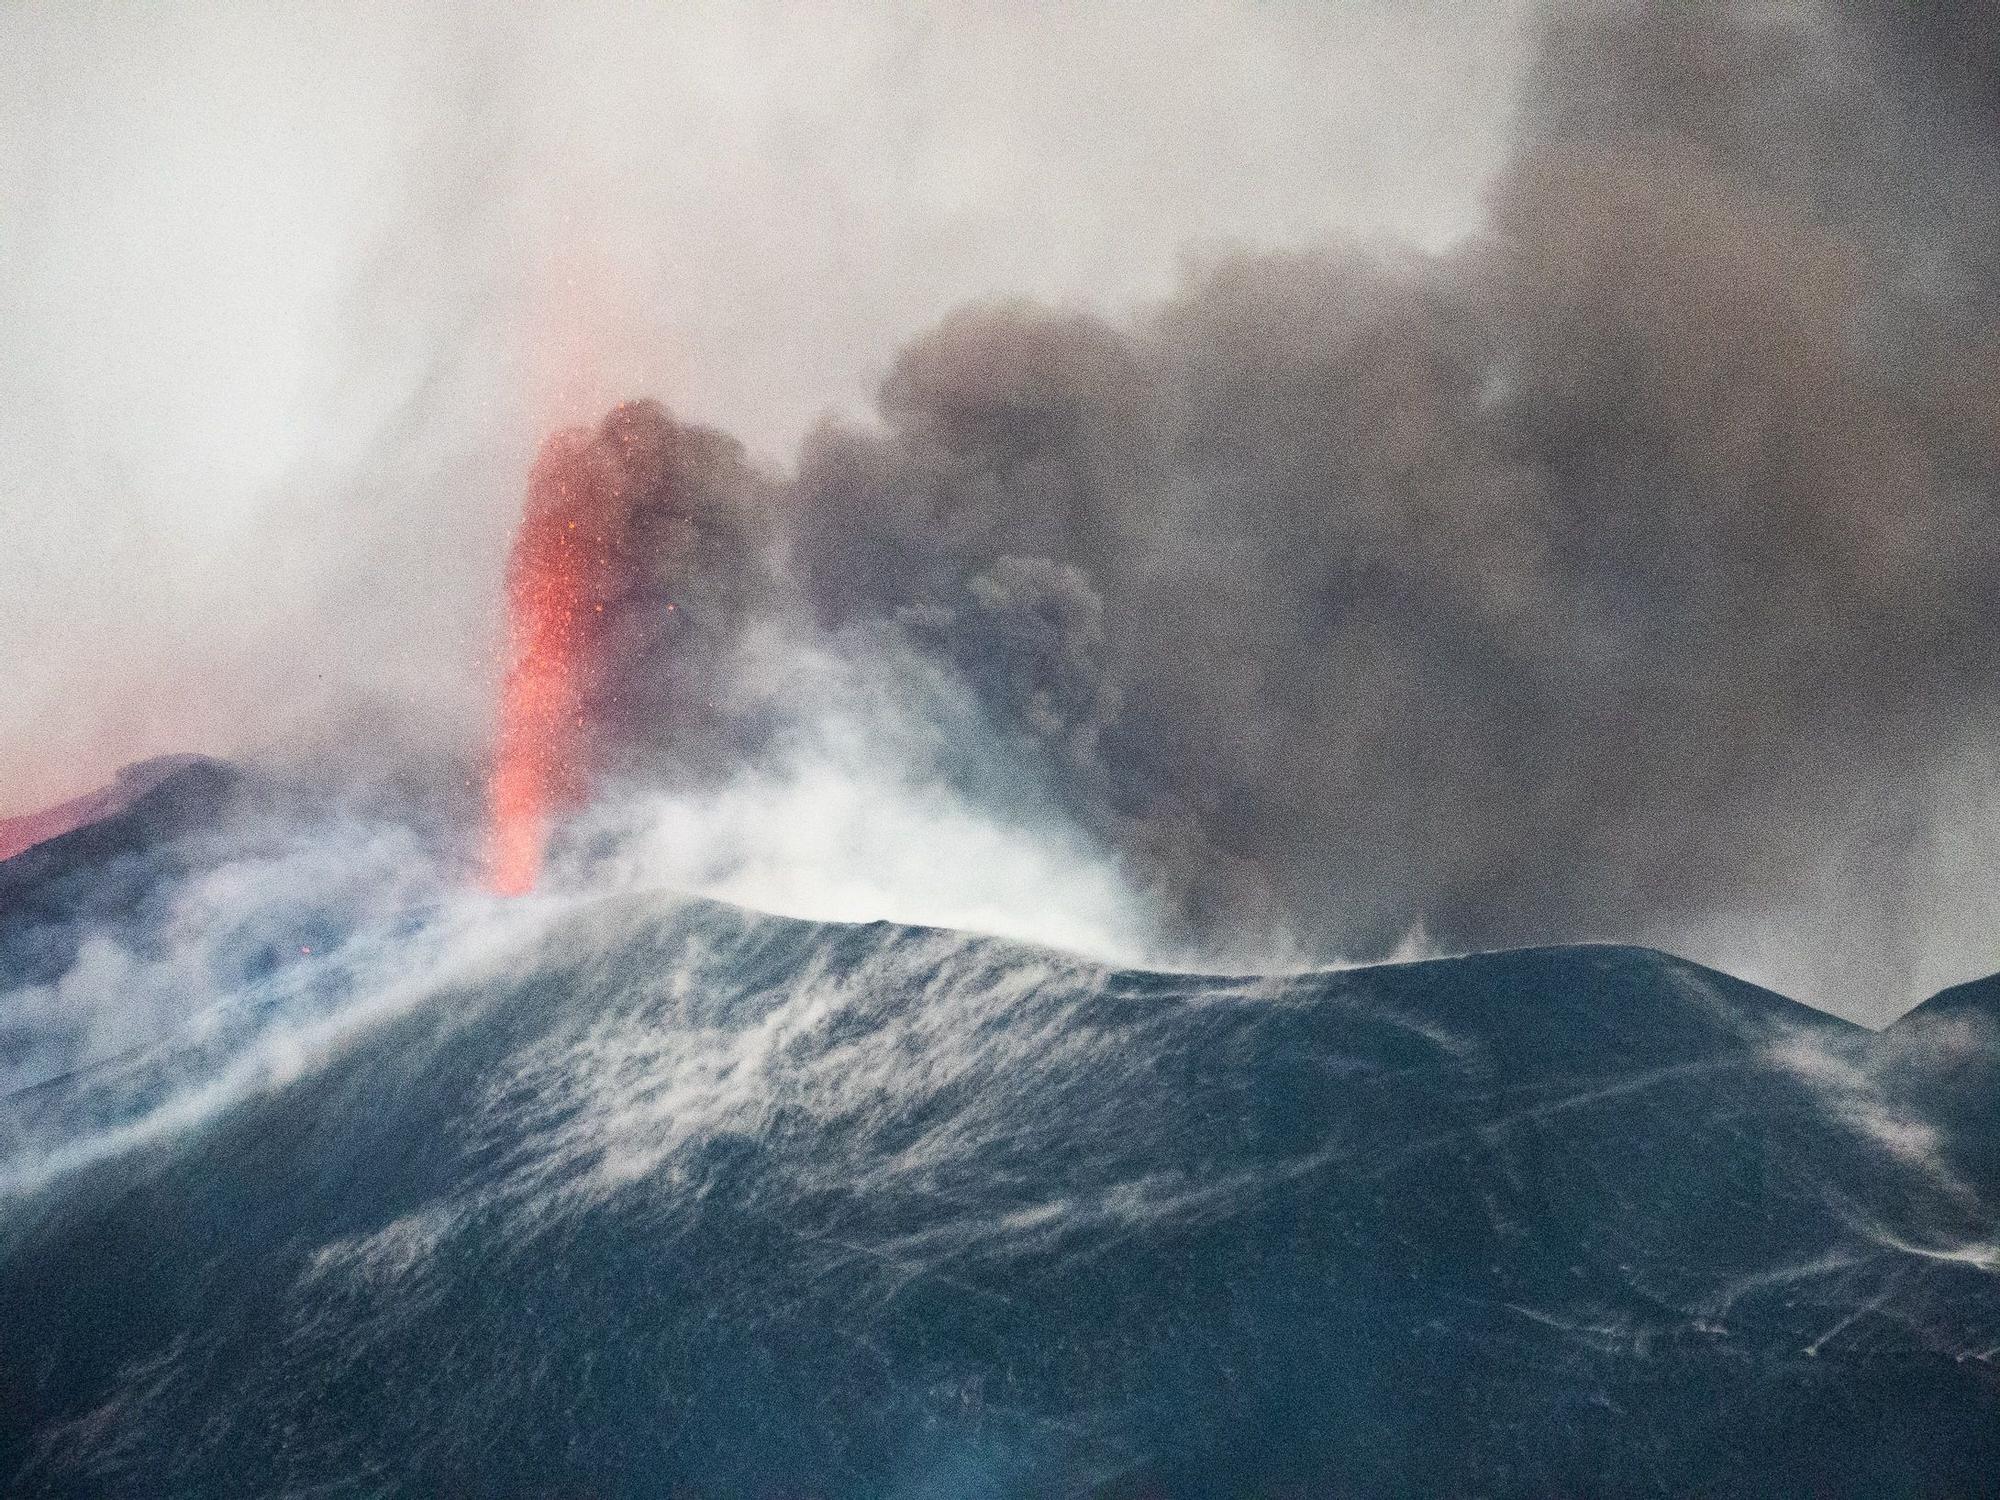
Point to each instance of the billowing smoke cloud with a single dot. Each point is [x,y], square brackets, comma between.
[1624,572]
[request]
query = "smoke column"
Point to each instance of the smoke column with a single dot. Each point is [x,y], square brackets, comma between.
[558,553]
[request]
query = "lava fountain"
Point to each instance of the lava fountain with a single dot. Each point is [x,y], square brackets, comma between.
[554,586]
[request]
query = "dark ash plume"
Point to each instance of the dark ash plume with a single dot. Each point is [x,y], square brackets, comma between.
[1628,569]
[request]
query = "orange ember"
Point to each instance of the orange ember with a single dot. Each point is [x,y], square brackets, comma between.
[553,578]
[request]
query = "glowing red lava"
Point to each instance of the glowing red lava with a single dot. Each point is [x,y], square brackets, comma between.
[552,576]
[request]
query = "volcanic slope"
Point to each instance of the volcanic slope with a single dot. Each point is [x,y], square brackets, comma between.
[666,1197]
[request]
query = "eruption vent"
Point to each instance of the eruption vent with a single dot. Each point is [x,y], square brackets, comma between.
[555,577]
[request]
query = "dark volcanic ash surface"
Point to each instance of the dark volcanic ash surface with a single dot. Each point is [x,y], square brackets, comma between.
[637,1195]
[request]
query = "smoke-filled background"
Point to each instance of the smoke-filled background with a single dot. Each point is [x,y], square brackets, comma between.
[1230,482]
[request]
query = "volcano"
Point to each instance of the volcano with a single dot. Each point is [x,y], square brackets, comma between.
[645,1195]
[25,830]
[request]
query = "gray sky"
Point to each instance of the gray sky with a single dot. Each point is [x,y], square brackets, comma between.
[291,291]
